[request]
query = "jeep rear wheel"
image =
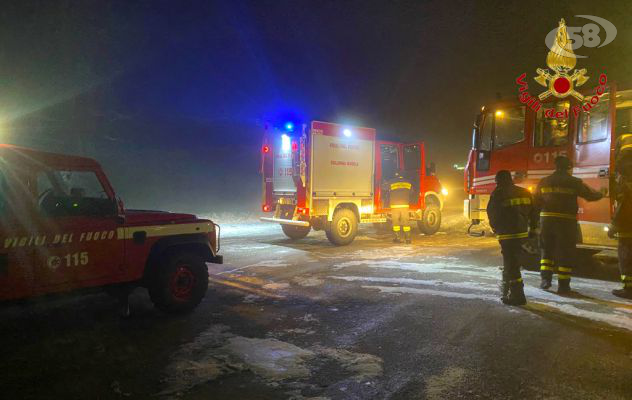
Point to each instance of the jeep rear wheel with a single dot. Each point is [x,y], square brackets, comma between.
[343,227]
[180,284]
[295,232]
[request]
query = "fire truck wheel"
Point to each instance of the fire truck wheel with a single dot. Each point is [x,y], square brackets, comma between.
[295,232]
[431,220]
[343,227]
[180,283]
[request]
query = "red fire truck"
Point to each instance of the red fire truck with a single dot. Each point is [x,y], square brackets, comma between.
[510,135]
[332,177]
[63,228]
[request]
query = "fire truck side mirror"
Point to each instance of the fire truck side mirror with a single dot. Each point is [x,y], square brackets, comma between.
[431,169]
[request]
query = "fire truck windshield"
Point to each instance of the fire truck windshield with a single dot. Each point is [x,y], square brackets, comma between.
[485,140]
[509,126]
[551,132]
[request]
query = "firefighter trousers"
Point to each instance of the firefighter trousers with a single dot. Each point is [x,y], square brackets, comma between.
[511,249]
[401,222]
[558,241]
[625,261]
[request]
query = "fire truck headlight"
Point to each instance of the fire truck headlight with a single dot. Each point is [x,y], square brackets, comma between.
[500,114]
[285,143]
[444,191]
[347,132]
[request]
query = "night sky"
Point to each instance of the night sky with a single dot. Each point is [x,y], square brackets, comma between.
[170,96]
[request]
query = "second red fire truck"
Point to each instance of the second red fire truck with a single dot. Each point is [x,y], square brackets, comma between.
[512,136]
[333,177]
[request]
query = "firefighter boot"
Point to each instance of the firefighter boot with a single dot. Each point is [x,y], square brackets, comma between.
[504,292]
[625,293]
[396,233]
[407,236]
[547,277]
[563,286]
[516,294]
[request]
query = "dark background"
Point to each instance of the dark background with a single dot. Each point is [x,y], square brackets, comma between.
[171,96]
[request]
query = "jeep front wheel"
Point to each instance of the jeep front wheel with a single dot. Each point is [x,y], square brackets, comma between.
[180,284]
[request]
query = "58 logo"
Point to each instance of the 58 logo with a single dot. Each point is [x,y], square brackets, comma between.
[598,33]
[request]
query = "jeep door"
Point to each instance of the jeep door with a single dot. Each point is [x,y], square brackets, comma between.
[78,215]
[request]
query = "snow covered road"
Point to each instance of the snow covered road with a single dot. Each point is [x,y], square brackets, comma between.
[307,320]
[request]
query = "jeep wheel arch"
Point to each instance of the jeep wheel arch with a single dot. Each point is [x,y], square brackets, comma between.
[197,244]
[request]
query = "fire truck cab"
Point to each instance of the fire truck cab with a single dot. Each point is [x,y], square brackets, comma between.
[511,135]
[332,177]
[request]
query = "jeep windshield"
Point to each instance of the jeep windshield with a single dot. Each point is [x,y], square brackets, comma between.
[64,193]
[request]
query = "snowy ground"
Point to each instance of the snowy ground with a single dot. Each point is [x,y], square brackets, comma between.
[307,320]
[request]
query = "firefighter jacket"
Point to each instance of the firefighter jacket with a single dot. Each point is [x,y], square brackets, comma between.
[623,151]
[399,189]
[511,212]
[556,195]
[622,218]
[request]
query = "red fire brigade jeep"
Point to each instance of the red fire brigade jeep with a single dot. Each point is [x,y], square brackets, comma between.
[62,228]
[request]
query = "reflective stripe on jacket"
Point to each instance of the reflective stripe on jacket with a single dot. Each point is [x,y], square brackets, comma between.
[556,195]
[399,192]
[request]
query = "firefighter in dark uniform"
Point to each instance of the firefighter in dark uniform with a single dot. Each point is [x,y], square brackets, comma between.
[622,227]
[400,189]
[513,217]
[556,197]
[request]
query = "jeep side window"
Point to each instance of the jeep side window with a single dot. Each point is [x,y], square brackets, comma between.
[553,131]
[63,193]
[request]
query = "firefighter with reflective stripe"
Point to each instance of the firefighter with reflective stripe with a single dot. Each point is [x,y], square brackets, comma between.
[513,217]
[556,196]
[623,152]
[622,228]
[400,189]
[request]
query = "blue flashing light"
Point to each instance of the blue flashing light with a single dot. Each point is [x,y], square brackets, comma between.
[289,126]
